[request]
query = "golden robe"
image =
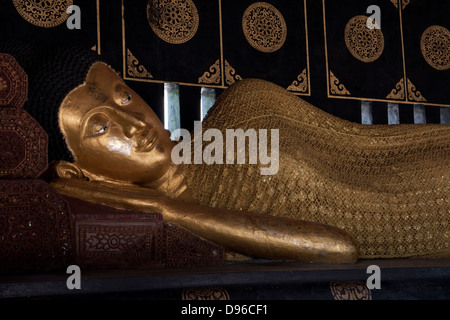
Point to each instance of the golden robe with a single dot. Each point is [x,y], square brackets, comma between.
[387,185]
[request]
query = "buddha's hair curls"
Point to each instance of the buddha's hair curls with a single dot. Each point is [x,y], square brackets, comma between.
[53,71]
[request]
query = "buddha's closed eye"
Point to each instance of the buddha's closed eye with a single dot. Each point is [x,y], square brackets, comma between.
[122,96]
[97,125]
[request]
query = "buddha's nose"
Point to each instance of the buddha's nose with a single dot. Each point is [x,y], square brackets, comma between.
[132,122]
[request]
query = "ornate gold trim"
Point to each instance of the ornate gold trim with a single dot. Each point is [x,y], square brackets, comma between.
[398,93]
[336,87]
[213,76]
[230,74]
[404,2]
[134,69]
[413,93]
[45,14]
[350,290]
[301,84]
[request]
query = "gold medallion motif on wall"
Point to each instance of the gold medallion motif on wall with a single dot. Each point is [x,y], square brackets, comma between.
[45,14]
[174,21]
[435,46]
[364,44]
[264,27]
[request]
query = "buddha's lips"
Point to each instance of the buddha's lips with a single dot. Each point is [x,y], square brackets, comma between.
[146,140]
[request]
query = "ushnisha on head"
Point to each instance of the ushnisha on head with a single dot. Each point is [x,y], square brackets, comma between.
[111,132]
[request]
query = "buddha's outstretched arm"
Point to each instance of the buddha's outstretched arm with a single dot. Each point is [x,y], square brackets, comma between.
[254,235]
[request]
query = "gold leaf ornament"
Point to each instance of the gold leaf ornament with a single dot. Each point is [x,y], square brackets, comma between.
[134,69]
[364,44]
[264,27]
[435,47]
[174,21]
[45,14]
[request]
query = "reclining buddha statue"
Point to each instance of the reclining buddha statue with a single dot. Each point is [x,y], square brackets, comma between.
[342,190]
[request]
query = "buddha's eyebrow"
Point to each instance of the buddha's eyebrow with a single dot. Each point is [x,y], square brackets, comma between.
[95,93]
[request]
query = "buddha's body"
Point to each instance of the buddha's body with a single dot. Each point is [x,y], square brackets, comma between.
[386,186]
[389,186]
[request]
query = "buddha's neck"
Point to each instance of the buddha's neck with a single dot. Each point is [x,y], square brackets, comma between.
[172,183]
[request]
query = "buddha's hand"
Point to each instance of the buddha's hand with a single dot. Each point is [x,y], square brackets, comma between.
[110,194]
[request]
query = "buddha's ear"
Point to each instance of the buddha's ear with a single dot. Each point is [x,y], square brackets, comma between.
[69,170]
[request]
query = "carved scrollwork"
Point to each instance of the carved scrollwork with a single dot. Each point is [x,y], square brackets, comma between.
[212,76]
[301,84]
[134,69]
[398,93]
[336,87]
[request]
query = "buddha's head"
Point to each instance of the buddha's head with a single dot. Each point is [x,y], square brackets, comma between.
[97,126]
[111,132]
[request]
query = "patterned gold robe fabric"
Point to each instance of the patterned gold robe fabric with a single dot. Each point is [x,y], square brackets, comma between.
[388,186]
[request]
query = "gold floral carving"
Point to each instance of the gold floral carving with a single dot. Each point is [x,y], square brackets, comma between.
[301,84]
[404,3]
[230,74]
[350,290]
[435,46]
[205,294]
[398,93]
[264,27]
[214,75]
[364,44]
[134,69]
[174,21]
[45,14]
[336,87]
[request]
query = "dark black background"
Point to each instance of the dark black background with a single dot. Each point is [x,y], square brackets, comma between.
[186,62]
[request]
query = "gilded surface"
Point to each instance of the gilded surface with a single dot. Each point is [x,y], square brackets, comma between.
[144,178]
[264,27]
[174,21]
[364,44]
[343,190]
[388,186]
[44,14]
[435,46]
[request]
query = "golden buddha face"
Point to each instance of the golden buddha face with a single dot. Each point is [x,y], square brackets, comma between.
[112,133]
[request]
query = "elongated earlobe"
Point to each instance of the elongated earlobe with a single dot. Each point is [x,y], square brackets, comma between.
[69,170]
